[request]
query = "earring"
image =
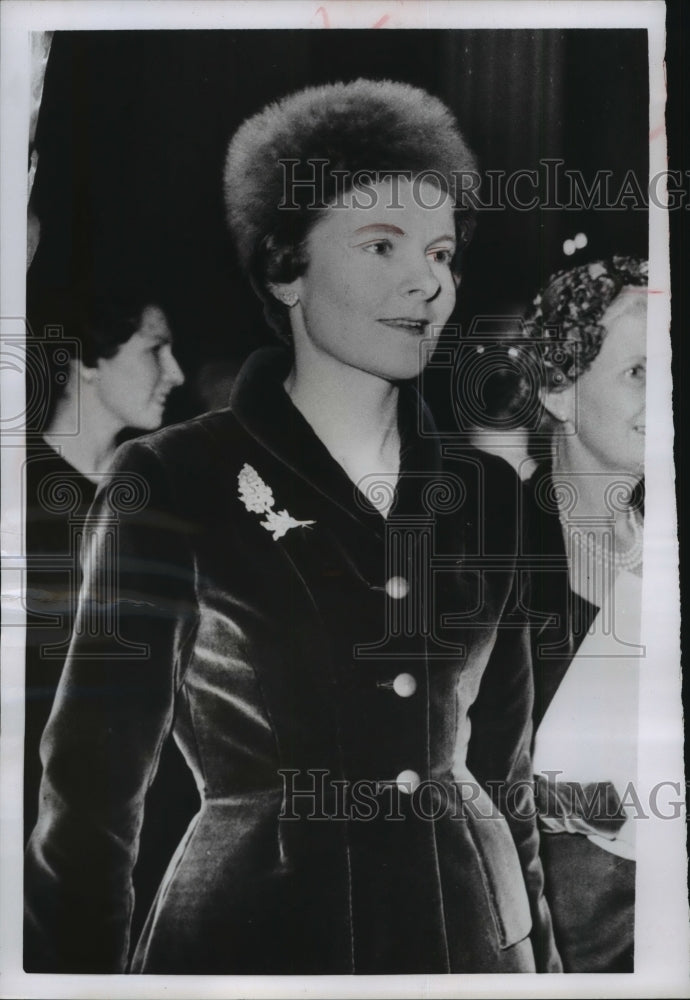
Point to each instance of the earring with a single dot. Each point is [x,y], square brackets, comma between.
[288,297]
[89,374]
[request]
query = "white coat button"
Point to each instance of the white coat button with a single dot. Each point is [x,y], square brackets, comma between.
[407,781]
[397,587]
[404,685]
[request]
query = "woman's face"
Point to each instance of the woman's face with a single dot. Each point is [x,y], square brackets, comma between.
[608,410]
[379,280]
[134,384]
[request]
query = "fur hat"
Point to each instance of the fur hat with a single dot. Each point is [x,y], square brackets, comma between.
[298,154]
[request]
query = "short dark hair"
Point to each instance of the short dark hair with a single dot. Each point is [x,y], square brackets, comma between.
[96,321]
[325,140]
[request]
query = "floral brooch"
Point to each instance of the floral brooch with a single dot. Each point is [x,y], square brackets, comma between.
[257,496]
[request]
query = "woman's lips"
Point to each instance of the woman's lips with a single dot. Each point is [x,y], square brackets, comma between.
[417,326]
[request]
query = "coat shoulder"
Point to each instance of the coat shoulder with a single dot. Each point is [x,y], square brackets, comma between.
[187,468]
[210,432]
[190,448]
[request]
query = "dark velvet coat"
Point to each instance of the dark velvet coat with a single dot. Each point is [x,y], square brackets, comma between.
[273,662]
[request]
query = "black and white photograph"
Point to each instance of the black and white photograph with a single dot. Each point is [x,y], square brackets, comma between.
[341,618]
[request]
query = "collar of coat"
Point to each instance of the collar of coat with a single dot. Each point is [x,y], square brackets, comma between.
[261,404]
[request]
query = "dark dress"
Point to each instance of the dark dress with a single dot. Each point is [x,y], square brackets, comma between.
[591,892]
[57,501]
[322,670]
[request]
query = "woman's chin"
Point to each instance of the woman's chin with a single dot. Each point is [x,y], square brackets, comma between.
[150,421]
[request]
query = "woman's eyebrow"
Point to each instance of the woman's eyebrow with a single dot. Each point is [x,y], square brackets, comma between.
[385,227]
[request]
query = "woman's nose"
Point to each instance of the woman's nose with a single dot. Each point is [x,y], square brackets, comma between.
[173,373]
[420,281]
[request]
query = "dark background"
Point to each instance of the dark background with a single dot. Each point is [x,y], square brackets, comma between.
[133,129]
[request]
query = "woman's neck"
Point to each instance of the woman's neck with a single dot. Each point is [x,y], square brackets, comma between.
[597,493]
[84,434]
[602,535]
[354,414]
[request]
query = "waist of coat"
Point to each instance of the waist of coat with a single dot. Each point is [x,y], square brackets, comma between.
[316,794]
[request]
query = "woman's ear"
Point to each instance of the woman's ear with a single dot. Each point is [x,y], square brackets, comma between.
[285,293]
[560,404]
[85,372]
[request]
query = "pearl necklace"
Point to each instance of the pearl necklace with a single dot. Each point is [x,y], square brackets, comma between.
[630,559]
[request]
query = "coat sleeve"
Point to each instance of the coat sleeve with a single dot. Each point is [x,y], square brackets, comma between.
[112,712]
[499,753]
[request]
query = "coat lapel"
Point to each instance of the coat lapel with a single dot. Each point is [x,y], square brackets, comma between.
[263,408]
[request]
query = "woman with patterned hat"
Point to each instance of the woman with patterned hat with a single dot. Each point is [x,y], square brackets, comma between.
[585,350]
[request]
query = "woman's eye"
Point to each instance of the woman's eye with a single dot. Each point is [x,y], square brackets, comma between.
[378,247]
[441,255]
[636,372]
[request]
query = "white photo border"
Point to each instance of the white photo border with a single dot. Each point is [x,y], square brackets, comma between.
[661,957]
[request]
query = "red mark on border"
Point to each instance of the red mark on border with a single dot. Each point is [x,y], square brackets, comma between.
[327,22]
[656,132]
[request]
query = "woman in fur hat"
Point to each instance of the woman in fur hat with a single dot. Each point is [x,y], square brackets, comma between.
[309,601]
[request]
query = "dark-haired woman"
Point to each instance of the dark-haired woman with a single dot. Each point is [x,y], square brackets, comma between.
[119,374]
[122,379]
[587,338]
[303,604]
